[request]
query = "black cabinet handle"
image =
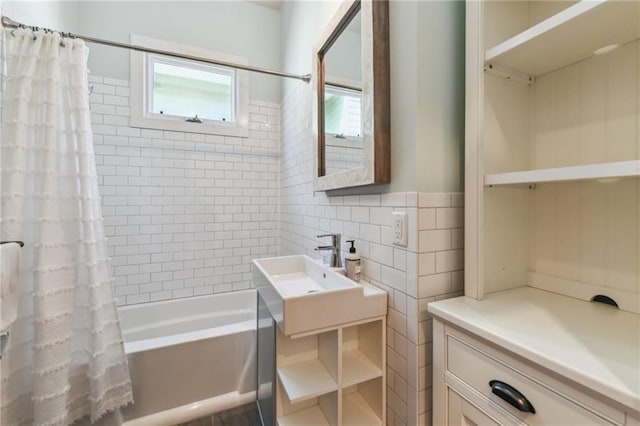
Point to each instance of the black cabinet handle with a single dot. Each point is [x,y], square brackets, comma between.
[512,396]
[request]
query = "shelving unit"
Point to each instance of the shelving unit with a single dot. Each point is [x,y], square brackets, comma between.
[568,37]
[620,169]
[335,377]
[577,123]
[537,256]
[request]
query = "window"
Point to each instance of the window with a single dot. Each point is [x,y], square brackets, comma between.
[185,89]
[342,111]
[183,95]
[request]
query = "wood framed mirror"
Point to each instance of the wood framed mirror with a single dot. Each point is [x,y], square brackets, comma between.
[351,102]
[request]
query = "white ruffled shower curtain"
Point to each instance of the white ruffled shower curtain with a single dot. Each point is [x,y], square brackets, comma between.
[65,356]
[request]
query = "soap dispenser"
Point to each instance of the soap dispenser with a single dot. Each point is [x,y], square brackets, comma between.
[352,263]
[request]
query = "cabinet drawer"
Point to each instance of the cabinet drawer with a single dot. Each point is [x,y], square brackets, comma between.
[462,413]
[477,369]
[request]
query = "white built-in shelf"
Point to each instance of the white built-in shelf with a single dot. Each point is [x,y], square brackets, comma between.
[620,169]
[305,380]
[358,368]
[308,416]
[356,411]
[569,36]
[332,377]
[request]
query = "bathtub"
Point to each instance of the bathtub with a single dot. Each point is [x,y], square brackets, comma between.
[189,357]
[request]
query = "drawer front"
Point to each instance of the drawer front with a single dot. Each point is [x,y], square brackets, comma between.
[462,413]
[477,369]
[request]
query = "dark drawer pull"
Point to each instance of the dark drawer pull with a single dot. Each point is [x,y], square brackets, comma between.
[512,396]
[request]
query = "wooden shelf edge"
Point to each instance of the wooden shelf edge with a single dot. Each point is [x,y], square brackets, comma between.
[572,35]
[620,169]
[306,380]
[543,27]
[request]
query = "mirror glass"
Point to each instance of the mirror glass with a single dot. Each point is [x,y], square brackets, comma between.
[343,126]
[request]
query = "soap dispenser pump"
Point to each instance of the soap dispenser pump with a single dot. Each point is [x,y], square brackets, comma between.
[352,263]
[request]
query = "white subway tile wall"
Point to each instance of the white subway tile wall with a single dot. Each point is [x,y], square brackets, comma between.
[184,213]
[440,265]
[430,268]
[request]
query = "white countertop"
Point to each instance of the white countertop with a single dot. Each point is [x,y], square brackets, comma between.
[595,345]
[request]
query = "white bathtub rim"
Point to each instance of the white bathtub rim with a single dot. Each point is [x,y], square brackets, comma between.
[194,410]
[184,319]
[192,336]
[183,307]
[234,293]
[211,317]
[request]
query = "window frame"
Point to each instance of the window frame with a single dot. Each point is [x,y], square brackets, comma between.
[141,115]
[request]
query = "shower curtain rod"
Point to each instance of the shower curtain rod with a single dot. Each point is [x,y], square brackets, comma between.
[10,23]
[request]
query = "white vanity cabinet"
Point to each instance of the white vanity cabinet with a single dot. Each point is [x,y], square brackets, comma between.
[552,220]
[335,377]
[562,360]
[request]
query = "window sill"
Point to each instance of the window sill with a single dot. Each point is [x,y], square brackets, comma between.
[223,129]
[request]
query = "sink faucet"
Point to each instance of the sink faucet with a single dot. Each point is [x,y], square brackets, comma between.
[336,258]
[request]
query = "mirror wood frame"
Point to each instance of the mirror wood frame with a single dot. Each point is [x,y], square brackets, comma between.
[376,118]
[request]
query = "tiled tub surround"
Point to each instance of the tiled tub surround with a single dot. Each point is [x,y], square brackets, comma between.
[184,213]
[219,196]
[429,268]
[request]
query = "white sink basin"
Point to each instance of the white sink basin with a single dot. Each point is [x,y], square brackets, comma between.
[303,295]
[294,276]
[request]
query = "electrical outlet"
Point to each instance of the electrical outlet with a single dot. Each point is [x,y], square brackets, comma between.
[399,228]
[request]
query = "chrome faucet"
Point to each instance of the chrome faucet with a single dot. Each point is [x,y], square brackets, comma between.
[336,258]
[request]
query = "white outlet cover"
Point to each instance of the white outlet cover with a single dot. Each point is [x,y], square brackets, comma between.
[399,228]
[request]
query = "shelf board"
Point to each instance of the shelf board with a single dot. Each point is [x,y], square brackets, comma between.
[569,36]
[358,368]
[356,411]
[621,169]
[306,380]
[308,416]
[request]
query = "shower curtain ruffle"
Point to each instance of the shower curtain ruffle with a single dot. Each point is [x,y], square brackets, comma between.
[65,357]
